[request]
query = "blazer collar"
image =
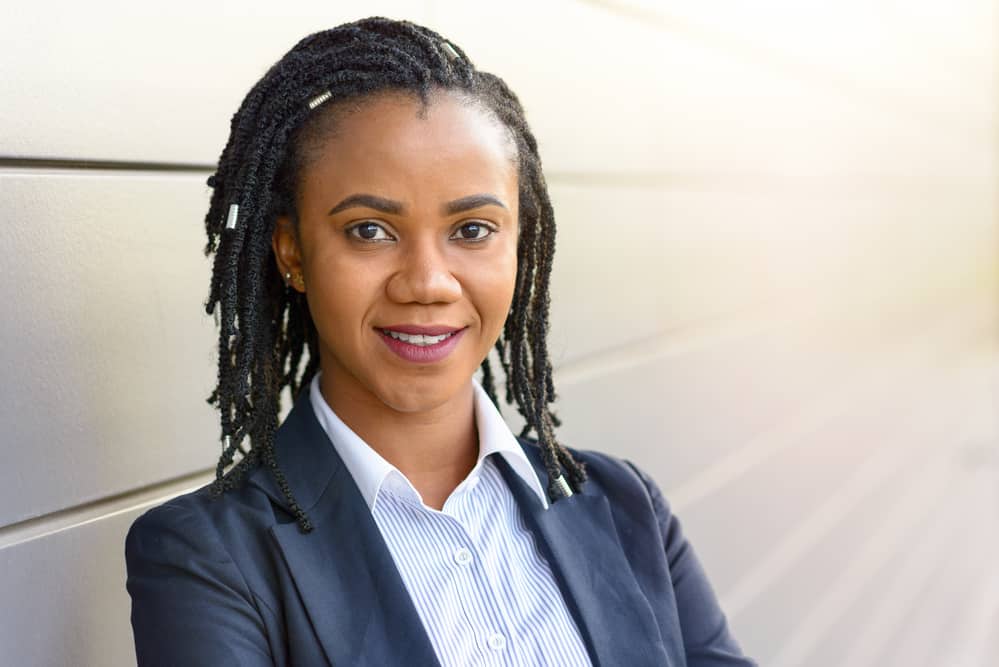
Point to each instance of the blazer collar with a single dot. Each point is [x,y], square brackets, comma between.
[357,601]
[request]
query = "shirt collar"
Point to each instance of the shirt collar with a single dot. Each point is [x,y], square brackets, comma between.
[370,470]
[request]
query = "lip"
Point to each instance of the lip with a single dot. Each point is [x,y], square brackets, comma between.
[426,354]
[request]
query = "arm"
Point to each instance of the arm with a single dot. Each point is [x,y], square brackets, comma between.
[707,640]
[190,604]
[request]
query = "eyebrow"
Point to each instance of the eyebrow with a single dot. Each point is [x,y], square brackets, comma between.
[394,208]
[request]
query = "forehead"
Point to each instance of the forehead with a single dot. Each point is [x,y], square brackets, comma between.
[392,142]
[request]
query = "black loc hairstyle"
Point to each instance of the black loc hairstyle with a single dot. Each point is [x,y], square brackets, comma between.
[264,327]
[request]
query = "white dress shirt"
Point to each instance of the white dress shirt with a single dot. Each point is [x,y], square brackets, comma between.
[484,592]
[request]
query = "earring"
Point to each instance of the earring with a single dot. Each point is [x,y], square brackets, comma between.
[299,280]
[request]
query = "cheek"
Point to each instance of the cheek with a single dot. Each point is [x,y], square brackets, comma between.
[340,295]
[491,289]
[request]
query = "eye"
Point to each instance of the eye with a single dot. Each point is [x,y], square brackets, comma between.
[474,232]
[368,231]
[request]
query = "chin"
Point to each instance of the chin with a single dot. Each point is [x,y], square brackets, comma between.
[420,394]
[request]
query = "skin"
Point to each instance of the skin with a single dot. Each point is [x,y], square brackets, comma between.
[419,269]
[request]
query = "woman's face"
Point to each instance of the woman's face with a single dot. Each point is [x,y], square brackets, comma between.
[406,222]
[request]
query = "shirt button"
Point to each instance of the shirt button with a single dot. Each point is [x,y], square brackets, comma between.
[462,556]
[497,642]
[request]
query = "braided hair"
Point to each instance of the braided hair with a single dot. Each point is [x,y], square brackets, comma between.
[264,328]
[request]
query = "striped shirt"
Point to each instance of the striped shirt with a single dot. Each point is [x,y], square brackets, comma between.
[485,594]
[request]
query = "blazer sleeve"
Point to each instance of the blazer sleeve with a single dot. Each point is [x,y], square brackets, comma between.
[707,640]
[190,604]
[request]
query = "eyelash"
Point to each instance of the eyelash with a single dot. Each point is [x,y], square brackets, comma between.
[349,231]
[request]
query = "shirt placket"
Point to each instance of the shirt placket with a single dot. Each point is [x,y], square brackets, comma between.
[496,635]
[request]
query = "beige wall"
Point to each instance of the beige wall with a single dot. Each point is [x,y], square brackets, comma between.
[775,289]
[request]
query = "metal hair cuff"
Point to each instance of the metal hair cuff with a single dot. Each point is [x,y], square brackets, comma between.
[563,486]
[319,99]
[450,49]
[230,222]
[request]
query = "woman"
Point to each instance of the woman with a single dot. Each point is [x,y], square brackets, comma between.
[381,203]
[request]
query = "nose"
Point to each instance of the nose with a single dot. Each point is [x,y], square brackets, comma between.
[424,275]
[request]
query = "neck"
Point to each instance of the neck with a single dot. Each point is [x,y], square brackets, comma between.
[434,448]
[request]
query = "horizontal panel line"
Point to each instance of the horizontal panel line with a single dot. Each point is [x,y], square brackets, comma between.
[719,327]
[792,185]
[73,517]
[877,470]
[104,165]
[716,329]
[914,572]
[880,372]
[801,184]
[937,489]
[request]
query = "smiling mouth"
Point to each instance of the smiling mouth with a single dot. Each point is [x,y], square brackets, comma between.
[422,348]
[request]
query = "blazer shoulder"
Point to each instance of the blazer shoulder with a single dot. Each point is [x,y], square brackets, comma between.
[173,528]
[650,531]
[193,601]
[213,525]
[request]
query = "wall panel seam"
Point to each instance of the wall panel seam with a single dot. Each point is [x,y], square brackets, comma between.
[74,517]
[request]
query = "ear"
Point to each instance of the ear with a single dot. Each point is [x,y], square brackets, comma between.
[288,253]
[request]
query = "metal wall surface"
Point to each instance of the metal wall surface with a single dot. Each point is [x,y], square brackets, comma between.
[775,289]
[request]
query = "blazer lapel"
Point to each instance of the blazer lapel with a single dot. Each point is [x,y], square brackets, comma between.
[343,571]
[580,539]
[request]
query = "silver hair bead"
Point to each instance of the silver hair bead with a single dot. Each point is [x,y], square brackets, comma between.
[450,49]
[230,222]
[319,99]
[563,486]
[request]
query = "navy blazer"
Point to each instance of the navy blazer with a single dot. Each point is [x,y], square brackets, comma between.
[234,582]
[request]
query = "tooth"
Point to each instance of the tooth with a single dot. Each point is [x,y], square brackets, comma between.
[417,339]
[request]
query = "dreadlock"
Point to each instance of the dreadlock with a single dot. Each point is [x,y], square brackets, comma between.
[264,328]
